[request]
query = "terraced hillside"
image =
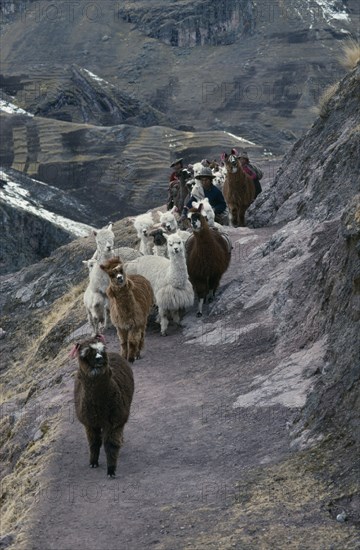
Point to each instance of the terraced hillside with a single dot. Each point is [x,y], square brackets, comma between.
[112,170]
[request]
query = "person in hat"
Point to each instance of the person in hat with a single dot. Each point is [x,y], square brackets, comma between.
[213,193]
[177,190]
[177,166]
[251,170]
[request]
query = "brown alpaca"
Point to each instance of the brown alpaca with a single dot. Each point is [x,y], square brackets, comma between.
[131,298]
[208,254]
[103,392]
[238,190]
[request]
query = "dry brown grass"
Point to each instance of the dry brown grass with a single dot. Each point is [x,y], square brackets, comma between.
[325,97]
[19,486]
[350,54]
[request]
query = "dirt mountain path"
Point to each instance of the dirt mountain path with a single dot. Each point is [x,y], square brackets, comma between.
[187,451]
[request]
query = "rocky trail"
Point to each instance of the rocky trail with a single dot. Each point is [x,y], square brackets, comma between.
[185,452]
[191,462]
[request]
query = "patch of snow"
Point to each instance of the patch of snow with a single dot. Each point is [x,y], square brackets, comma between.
[12,193]
[8,107]
[240,138]
[95,77]
[329,12]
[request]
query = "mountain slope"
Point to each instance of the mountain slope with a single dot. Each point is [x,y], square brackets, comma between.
[245,427]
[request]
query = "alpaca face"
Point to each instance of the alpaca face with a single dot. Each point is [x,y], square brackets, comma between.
[93,358]
[117,275]
[175,245]
[104,240]
[168,222]
[232,164]
[195,220]
[142,225]
[159,239]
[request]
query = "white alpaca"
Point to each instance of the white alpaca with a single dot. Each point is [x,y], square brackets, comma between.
[90,263]
[104,240]
[142,224]
[126,253]
[219,179]
[169,224]
[208,212]
[95,299]
[169,280]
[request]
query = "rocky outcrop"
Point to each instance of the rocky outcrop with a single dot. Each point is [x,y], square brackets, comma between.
[195,23]
[317,188]
[320,174]
[25,238]
[75,94]
[34,220]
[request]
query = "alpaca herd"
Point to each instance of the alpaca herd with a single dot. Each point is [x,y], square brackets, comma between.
[170,268]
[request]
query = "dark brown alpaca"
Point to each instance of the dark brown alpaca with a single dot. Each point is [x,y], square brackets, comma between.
[207,257]
[131,298]
[238,190]
[104,388]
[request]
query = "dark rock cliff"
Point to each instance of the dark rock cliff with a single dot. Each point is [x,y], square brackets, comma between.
[189,24]
[318,186]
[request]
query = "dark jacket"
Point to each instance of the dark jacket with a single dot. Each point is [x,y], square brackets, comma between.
[216,199]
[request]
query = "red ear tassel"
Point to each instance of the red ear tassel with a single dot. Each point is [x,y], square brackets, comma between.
[223,156]
[234,152]
[73,353]
[101,338]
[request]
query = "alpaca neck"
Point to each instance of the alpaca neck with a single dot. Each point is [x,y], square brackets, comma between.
[96,382]
[123,295]
[177,270]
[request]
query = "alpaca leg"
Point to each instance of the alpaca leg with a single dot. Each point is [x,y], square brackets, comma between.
[200,307]
[235,217]
[93,322]
[164,321]
[113,439]
[107,321]
[123,337]
[98,316]
[242,216]
[141,343]
[176,317]
[133,345]
[94,439]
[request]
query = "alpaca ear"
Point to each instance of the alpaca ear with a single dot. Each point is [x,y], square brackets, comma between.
[194,204]
[166,235]
[94,232]
[234,151]
[110,226]
[174,209]
[101,338]
[103,267]
[74,351]
[159,213]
